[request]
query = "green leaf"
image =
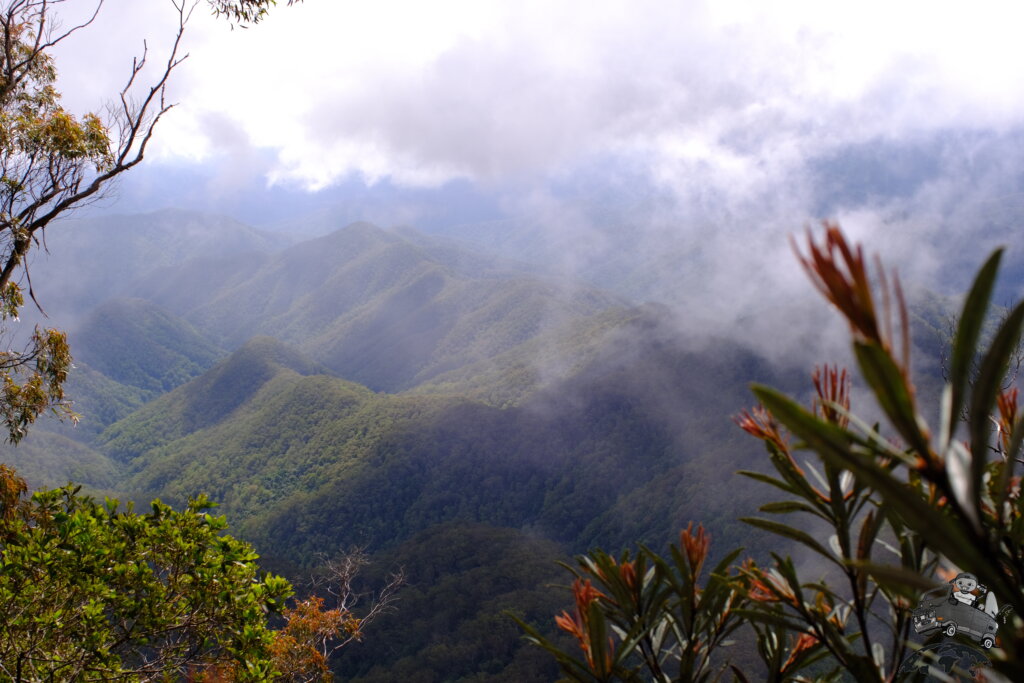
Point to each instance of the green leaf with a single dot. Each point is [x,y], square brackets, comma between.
[1006,470]
[786,506]
[891,389]
[818,435]
[791,533]
[986,388]
[771,618]
[898,579]
[533,635]
[767,479]
[738,674]
[972,319]
[945,533]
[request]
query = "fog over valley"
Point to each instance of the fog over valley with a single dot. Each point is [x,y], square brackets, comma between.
[465,290]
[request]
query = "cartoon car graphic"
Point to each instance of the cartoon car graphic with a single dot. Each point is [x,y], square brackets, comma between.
[937,611]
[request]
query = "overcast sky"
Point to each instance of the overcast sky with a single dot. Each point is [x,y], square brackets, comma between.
[731,115]
[423,92]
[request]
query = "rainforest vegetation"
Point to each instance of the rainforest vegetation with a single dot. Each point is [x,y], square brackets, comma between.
[408,436]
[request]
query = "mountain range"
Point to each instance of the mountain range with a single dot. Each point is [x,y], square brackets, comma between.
[397,392]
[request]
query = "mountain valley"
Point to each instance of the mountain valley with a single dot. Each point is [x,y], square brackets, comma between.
[391,391]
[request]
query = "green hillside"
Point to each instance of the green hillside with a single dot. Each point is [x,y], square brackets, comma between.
[449,622]
[448,411]
[631,446]
[386,310]
[204,401]
[99,400]
[138,344]
[559,351]
[285,447]
[47,459]
[90,260]
[56,452]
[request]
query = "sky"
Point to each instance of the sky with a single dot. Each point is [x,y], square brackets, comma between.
[705,131]
[423,93]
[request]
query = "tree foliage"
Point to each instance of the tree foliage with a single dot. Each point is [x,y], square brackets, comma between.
[450,623]
[90,591]
[649,617]
[316,628]
[885,514]
[244,12]
[313,634]
[52,162]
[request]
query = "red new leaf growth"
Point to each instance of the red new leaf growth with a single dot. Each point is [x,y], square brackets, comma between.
[760,423]
[760,592]
[628,572]
[766,586]
[1007,403]
[805,642]
[840,273]
[578,623]
[833,388]
[695,545]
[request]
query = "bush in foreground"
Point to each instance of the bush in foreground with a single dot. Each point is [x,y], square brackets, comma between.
[900,510]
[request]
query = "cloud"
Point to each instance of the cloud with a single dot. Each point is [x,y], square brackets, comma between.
[699,133]
[541,87]
[425,93]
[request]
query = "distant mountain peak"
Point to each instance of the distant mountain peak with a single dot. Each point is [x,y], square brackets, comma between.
[357,236]
[267,350]
[209,398]
[140,344]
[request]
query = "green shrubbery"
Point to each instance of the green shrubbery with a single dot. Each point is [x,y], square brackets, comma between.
[91,592]
[901,513]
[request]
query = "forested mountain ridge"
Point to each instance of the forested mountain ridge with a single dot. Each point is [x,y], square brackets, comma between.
[641,425]
[127,352]
[137,343]
[384,311]
[96,258]
[375,388]
[451,623]
[207,400]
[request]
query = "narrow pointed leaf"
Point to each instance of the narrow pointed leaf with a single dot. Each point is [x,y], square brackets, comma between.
[791,533]
[771,619]
[898,578]
[786,506]
[767,479]
[943,532]
[972,319]
[725,562]
[986,388]
[816,433]
[893,394]
[1006,472]
[738,674]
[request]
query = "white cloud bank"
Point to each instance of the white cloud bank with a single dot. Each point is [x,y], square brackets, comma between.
[426,92]
[718,107]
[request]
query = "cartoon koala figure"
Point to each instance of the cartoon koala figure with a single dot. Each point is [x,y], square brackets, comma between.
[963,587]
